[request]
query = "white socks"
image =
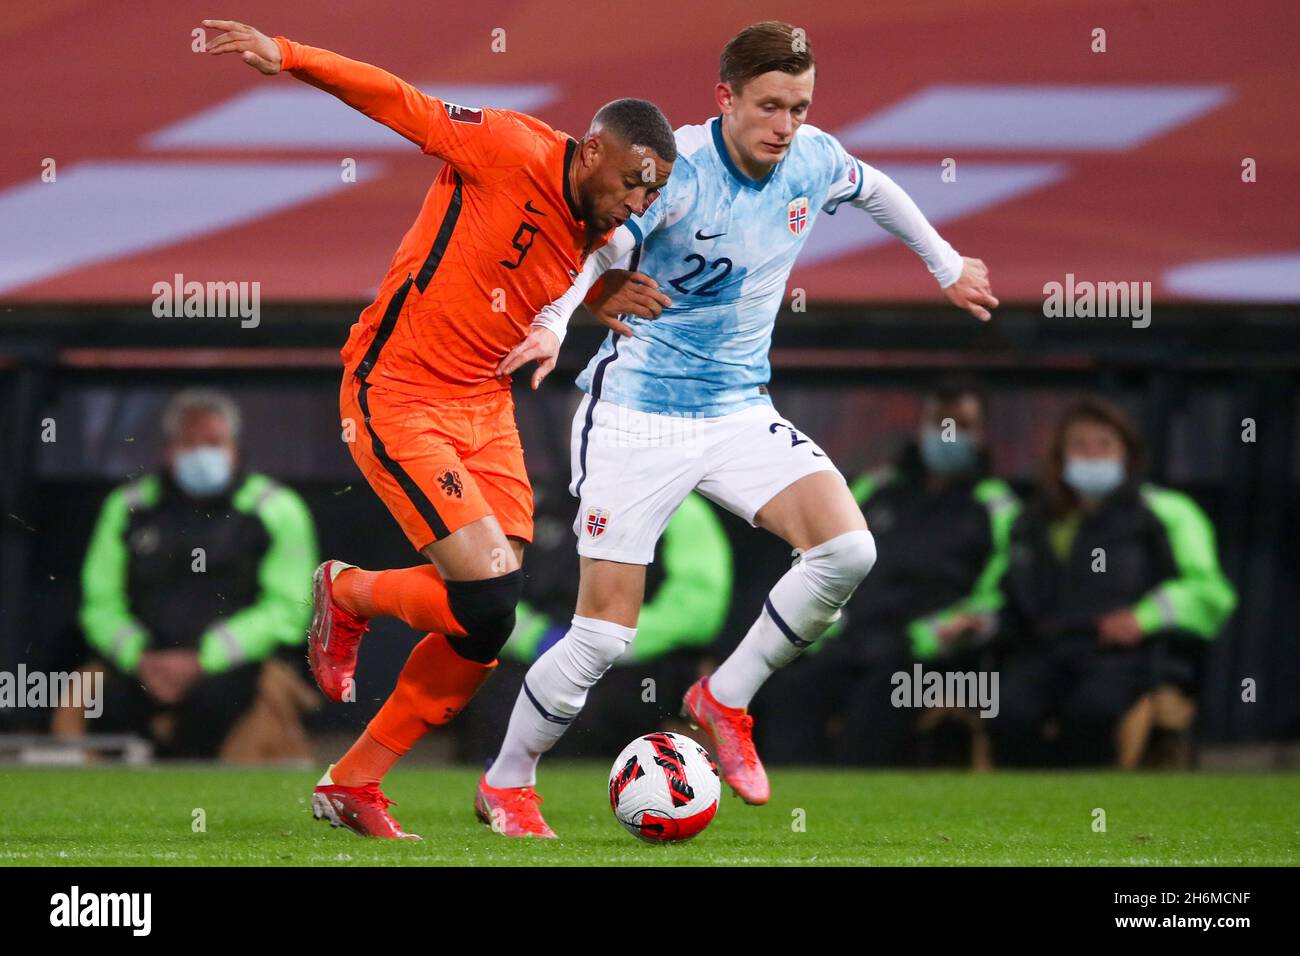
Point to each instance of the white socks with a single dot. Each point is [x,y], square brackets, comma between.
[798,609]
[803,604]
[555,688]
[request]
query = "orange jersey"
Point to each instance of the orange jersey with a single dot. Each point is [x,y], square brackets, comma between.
[499,235]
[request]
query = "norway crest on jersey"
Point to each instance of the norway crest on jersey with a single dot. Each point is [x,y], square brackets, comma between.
[797,215]
[597,521]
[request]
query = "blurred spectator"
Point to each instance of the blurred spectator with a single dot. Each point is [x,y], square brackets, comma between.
[941,525]
[688,595]
[1114,587]
[195,575]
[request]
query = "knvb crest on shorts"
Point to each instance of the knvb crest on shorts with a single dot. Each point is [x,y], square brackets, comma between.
[597,521]
[797,215]
[449,482]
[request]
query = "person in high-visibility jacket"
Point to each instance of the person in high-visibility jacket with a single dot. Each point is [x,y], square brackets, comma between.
[196,573]
[1114,586]
[942,524]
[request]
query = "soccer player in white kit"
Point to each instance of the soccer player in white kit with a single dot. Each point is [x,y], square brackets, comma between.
[680,403]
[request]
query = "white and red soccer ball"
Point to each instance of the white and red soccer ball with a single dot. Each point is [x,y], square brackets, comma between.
[664,788]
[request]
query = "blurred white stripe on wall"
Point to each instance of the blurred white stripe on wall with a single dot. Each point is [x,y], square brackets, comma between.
[301,117]
[1033,117]
[98,211]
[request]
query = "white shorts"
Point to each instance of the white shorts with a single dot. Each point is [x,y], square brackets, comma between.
[632,469]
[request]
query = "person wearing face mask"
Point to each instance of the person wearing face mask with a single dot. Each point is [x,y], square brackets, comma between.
[1114,587]
[942,523]
[196,573]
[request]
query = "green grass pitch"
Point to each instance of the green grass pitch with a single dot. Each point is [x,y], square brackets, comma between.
[130,817]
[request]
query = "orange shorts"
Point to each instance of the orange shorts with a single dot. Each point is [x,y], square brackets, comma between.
[439,464]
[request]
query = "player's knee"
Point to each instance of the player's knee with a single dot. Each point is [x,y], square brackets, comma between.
[591,647]
[486,610]
[836,567]
[559,681]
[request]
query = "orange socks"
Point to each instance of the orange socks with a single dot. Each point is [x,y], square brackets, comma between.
[416,595]
[435,685]
[365,763]
[436,682]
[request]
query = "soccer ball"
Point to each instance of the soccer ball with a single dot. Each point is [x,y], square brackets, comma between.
[664,788]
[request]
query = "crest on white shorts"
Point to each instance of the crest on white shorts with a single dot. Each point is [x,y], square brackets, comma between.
[797,215]
[596,522]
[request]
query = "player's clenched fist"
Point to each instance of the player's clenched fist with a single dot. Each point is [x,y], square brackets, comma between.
[256,49]
[972,290]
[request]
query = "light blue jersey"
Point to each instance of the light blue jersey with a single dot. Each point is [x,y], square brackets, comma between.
[721,246]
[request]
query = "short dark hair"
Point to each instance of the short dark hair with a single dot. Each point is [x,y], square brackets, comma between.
[762,48]
[1057,495]
[639,123]
[953,388]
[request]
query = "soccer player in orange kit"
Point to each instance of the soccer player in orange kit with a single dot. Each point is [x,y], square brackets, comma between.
[507,224]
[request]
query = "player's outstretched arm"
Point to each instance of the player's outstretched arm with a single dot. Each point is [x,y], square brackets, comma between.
[377,93]
[255,48]
[972,290]
[965,281]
